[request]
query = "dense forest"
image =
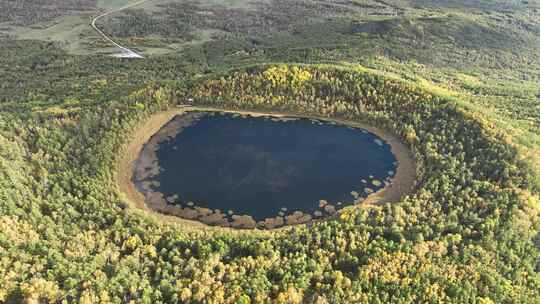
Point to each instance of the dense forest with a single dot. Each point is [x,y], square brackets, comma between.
[456,81]
[468,234]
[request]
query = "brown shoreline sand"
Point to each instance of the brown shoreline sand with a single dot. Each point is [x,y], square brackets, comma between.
[402,183]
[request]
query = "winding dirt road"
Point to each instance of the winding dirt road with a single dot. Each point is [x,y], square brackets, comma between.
[126,52]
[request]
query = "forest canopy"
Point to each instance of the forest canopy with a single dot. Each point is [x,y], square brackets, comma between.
[456,81]
[469,233]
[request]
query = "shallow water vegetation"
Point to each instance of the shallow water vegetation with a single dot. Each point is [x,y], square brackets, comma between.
[469,233]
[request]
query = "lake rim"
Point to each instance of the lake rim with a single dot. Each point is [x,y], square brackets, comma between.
[402,182]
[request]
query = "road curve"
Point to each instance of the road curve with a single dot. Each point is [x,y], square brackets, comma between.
[126,53]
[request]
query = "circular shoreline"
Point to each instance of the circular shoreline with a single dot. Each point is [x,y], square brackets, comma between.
[402,183]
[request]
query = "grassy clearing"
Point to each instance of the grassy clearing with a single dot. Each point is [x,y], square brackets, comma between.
[114,4]
[71,31]
[67,31]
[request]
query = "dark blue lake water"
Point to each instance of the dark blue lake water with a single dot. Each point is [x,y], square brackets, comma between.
[257,165]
